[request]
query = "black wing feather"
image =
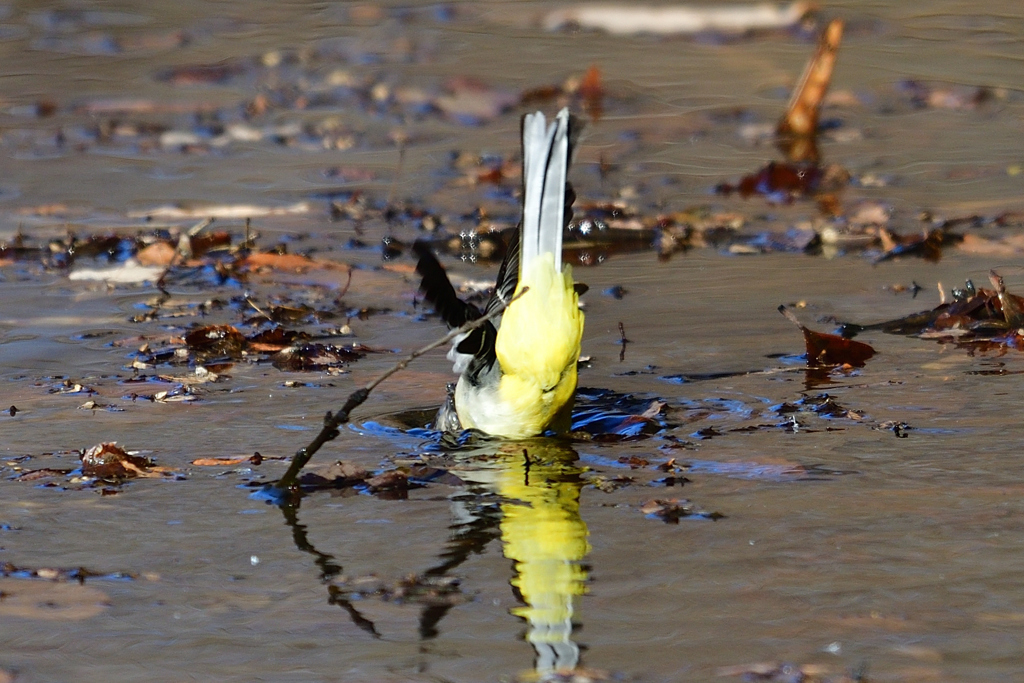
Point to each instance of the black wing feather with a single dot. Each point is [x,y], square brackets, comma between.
[438,290]
[508,274]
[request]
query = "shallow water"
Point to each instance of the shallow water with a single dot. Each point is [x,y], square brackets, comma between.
[842,544]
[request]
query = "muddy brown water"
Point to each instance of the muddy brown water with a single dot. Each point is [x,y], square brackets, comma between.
[843,546]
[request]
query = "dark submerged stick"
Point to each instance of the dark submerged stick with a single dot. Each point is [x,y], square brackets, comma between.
[334,420]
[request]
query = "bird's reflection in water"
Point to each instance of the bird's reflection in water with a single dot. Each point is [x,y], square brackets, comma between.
[527,494]
[538,484]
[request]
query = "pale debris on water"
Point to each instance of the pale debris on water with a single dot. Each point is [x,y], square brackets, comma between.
[129,272]
[235,211]
[629,19]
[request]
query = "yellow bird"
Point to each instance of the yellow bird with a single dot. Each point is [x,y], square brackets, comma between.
[518,380]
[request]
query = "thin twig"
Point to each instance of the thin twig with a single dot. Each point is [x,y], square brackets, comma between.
[200,226]
[357,397]
[348,283]
[258,309]
[182,252]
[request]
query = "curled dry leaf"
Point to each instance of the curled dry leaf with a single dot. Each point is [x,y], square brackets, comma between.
[975,318]
[216,340]
[1011,305]
[830,349]
[110,462]
[801,117]
[275,339]
[200,245]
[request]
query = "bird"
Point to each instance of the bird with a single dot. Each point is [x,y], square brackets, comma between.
[518,379]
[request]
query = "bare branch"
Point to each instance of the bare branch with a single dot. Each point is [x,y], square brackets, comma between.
[356,398]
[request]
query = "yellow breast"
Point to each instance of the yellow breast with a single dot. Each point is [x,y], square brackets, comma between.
[538,345]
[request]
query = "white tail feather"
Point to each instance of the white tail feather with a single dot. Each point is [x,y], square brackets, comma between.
[545,167]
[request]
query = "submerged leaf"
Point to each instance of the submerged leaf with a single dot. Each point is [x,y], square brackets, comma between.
[671,510]
[782,183]
[216,340]
[338,475]
[50,601]
[317,357]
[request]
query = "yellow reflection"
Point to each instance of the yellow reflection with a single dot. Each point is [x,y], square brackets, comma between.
[543,534]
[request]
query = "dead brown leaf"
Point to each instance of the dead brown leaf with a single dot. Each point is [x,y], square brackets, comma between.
[671,510]
[157,254]
[801,117]
[109,461]
[216,340]
[830,349]
[288,262]
[391,480]
[634,462]
[317,357]
[340,474]
[220,462]
[592,93]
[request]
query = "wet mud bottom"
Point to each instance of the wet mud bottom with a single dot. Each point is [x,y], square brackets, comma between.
[739,499]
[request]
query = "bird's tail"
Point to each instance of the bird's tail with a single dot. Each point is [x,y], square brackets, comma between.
[547,198]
